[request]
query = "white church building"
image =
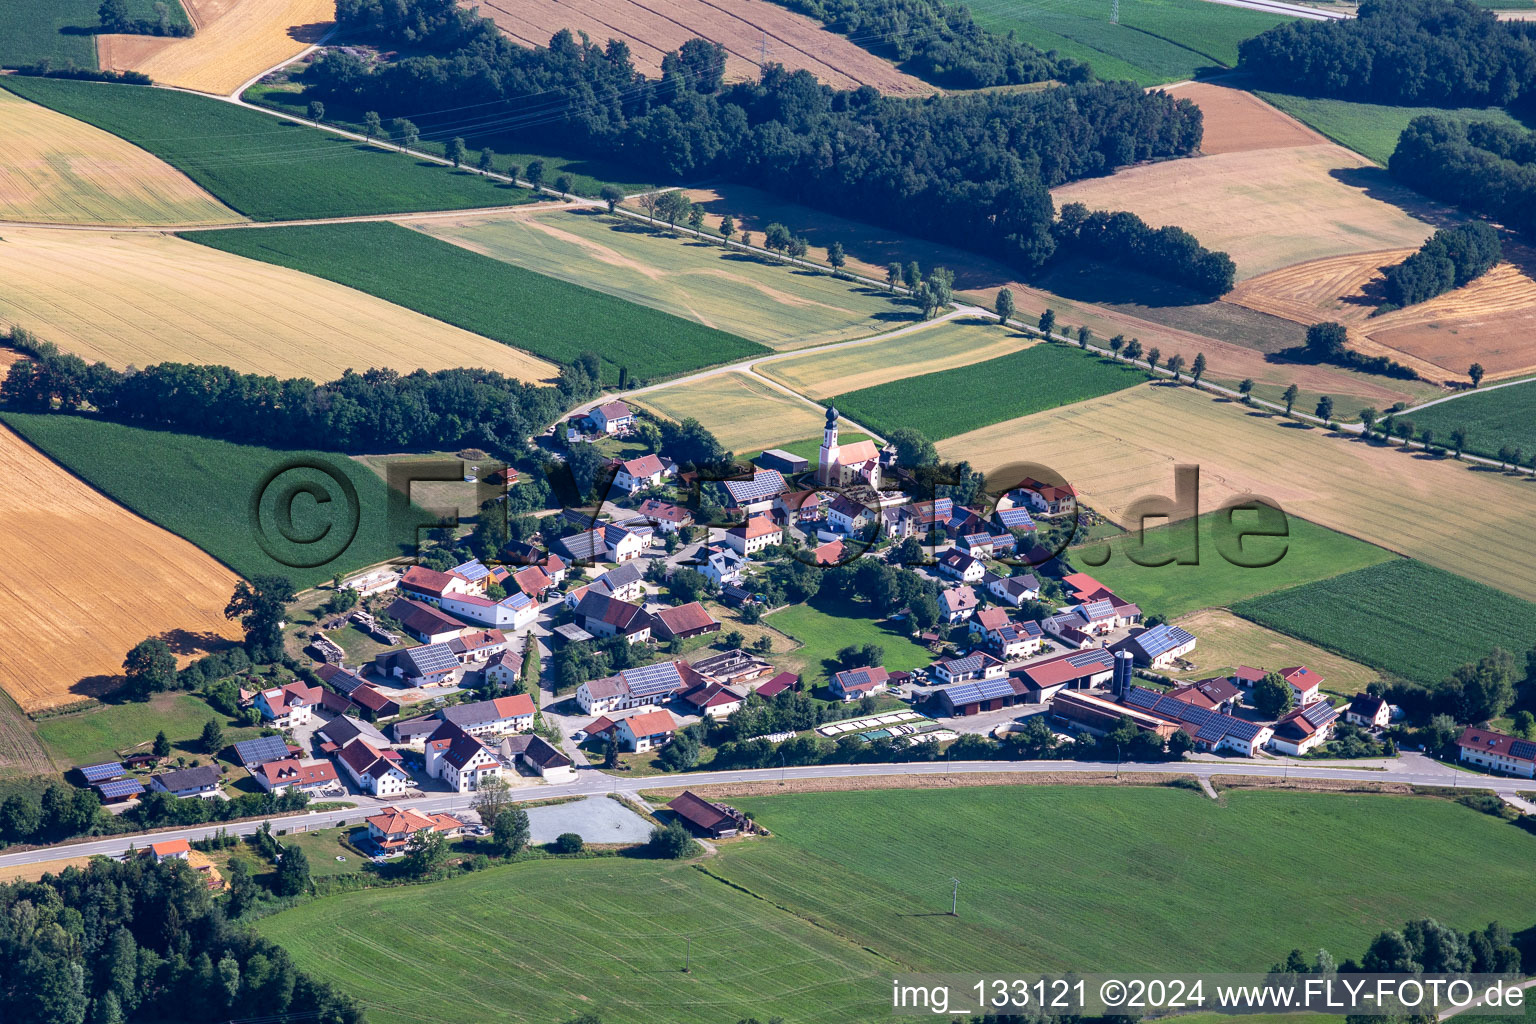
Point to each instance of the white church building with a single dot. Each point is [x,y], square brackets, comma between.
[849,464]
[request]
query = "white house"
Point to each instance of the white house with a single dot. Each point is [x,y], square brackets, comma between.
[722,566]
[1368,712]
[966,568]
[1304,728]
[492,717]
[431,586]
[848,516]
[757,533]
[638,474]
[853,683]
[1013,590]
[973,666]
[1304,683]
[290,706]
[957,604]
[1158,646]
[307,776]
[459,759]
[372,771]
[514,612]
[623,543]
[1498,752]
[612,418]
[646,731]
[600,696]
[536,753]
[200,781]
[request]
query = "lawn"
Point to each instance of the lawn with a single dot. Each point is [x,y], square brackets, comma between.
[1156,41]
[263,166]
[323,847]
[1404,617]
[1306,553]
[553,938]
[202,489]
[854,887]
[753,297]
[1371,129]
[810,448]
[952,402]
[826,627]
[543,315]
[61,31]
[102,733]
[876,867]
[1493,419]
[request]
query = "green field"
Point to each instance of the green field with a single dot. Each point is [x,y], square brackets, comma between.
[1307,553]
[263,166]
[752,297]
[1403,617]
[102,733]
[202,489]
[826,627]
[545,316]
[856,886]
[951,402]
[1492,419]
[1371,129]
[1157,41]
[61,31]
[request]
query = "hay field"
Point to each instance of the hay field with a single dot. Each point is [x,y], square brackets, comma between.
[1237,121]
[1488,321]
[61,171]
[928,349]
[147,298]
[654,27]
[1227,641]
[745,413]
[85,580]
[752,298]
[1124,446]
[235,39]
[1267,208]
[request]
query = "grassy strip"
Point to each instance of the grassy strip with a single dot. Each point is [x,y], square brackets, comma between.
[1403,616]
[545,316]
[202,489]
[952,402]
[1370,129]
[62,31]
[262,166]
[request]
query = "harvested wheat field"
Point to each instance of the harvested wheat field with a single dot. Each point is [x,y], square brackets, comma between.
[926,348]
[235,40]
[61,171]
[1266,208]
[1333,288]
[1227,642]
[1239,122]
[652,28]
[144,298]
[1124,446]
[745,413]
[85,580]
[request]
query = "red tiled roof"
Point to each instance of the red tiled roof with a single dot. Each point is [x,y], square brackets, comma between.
[292,772]
[427,581]
[650,723]
[1489,741]
[755,527]
[830,553]
[686,617]
[518,705]
[644,466]
[782,681]
[170,846]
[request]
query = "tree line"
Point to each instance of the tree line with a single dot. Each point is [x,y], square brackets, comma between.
[940,43]
[139,941]
[1419,947]
[1124,239]
[1449,258]
[1479,167]
[376,410]
[1432,52]
[971,170]
[1327,342]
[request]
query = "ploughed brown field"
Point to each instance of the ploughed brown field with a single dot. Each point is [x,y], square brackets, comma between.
[748,30]
[85,579]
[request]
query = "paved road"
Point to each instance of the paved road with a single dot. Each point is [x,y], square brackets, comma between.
[593,782]
[1292,10]
[1469,391]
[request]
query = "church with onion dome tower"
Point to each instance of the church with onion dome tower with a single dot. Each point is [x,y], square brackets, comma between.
[846,465]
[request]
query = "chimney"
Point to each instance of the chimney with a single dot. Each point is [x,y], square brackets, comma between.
[1123,664]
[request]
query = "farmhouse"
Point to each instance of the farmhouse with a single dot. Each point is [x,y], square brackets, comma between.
[983,695]
[542,758]
[976,665]
[717,821]
[343,729]
[636,687]
[798,507]
[962,566]
[1098,715]
[473,648]
[1212,694]
[1160,646]
[920,518]
[1368,712]
[459,759]
[423,622]
[492,717]
[712,699]
[957,604]
[312,777]
[622,543]
[392,828]
[639,474]
[1210,730]
[623,583]
[373,771]
[855,683]
[846,515]
[684,621]
[755,495]
[516,611]
[757,533]
[1012,590]
[1304,728]
[1498,752]
[584,548]
[604,616]
[612,418]
[1304,683]
[645,731]
[431,586]
[200,781]
[665,516]
[290,706]
[1076,670]
[428,665]
[1045,499]
[839,465]
[533,581]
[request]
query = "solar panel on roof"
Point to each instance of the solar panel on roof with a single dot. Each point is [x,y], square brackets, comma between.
[432,658]
[472,570]
[1319,713]
[986,689]
[653,679]
[261,750]
[94,773]
[1082,659]
[1161,639]
[765,483]
[1140,698]
[1014,518]
[119,788]
[1523,749]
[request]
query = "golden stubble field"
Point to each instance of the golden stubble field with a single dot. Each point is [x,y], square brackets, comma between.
[745,413]
[142,298]
[1227,642]
[1124,446]
[58,170]
[652,28]
[235,40]
[84,580]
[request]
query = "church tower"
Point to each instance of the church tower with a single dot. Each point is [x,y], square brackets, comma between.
[827,470]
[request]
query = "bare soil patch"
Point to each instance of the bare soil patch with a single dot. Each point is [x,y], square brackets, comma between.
[1239,122]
